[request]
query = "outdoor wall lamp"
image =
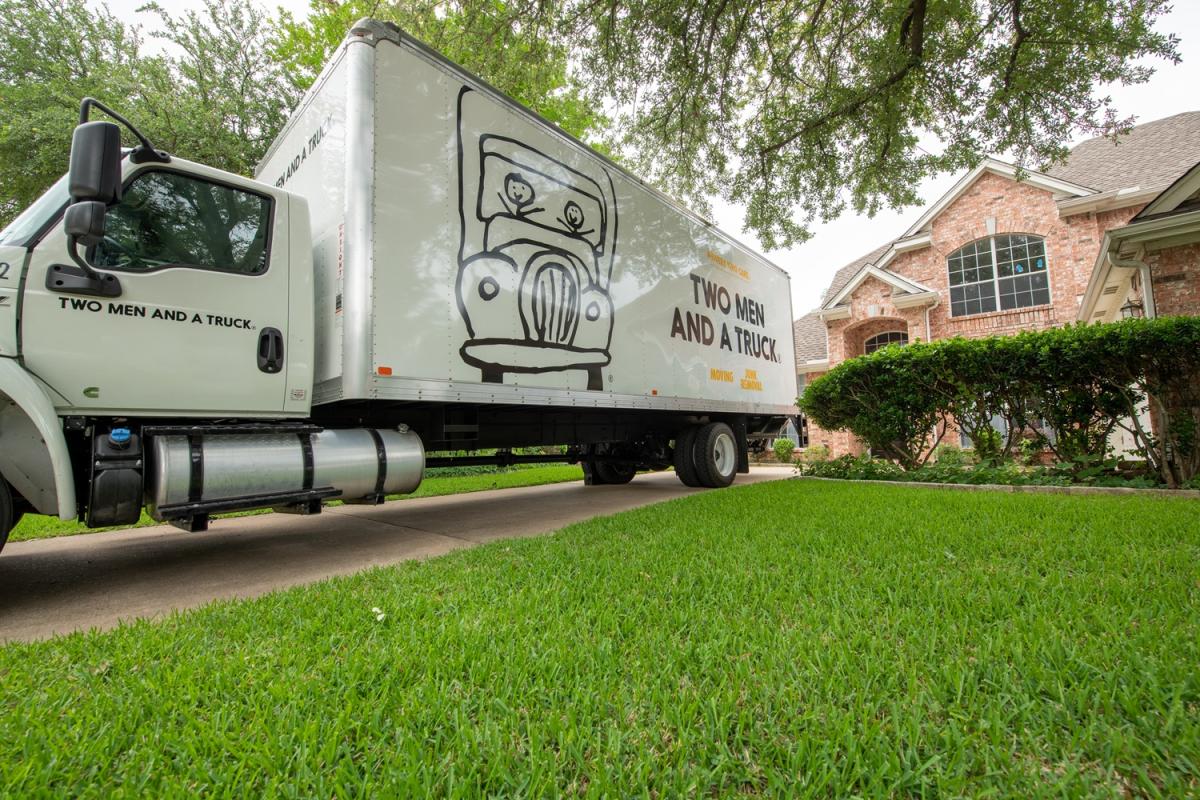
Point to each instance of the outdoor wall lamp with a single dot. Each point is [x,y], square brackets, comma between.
[1131,310]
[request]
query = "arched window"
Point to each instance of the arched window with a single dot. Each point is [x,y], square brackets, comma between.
[1006,271]
[883,340]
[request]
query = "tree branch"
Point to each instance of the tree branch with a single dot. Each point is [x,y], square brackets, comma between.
[912,38]
[1018,40]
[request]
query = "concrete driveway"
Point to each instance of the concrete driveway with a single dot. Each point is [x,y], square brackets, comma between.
[53,586]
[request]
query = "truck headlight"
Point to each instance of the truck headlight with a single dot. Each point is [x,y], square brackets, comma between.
[483,283]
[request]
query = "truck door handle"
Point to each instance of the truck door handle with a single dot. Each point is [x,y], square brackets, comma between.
[270,350]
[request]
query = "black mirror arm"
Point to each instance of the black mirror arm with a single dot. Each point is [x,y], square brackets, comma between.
[81,279]
[146,153]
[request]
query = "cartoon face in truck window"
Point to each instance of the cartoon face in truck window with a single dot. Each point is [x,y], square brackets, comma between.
[535,256]
[518,193]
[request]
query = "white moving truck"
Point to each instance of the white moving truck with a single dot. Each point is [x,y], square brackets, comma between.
[422,265]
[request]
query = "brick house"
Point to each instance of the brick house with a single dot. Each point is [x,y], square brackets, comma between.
[1003,252]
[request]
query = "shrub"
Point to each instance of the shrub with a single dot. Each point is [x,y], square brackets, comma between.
[988,444]
[783,450]
[858,468]
[1031,450]
[1071,386]
[1157,361]
[891,399]
[1004,473]
[816,452]
[951,456]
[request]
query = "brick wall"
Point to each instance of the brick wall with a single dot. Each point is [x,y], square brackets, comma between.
[1175,277]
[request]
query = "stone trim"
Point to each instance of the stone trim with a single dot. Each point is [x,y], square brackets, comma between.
[1184,494]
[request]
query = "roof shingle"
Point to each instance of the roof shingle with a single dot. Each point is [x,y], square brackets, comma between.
[1152,154]
[809,335]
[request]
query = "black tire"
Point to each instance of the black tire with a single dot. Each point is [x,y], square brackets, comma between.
[8,512]
[715,454]
[614,472]
[685,461]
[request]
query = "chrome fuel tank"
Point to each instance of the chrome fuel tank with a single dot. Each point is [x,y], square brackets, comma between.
[359,463]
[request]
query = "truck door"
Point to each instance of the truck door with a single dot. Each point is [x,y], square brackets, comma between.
[200,325]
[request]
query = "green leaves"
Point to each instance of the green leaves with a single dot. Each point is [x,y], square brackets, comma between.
[494,40]
[223,97]
[801,110]
[891,399]
[54,53]
[1066,388]
[216,97]
[796,110]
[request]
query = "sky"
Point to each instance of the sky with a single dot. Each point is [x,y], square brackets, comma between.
[1171,90]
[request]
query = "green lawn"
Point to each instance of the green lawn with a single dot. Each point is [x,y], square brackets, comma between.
[792,638]
[35,526]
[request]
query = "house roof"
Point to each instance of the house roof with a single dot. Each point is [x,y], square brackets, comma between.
[1059,186]
[1151,154]
[809,333]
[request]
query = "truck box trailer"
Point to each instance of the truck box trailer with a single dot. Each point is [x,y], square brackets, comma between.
[422,266]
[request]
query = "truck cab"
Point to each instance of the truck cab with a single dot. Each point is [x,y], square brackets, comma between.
[209,271]
[198,305]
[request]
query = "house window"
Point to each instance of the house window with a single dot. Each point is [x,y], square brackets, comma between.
[883,340]
[1005,272]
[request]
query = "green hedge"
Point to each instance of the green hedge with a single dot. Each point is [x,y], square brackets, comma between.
[1069,388]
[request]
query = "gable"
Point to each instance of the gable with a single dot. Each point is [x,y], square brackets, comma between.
[1182,195]
[898,284]
[991,166]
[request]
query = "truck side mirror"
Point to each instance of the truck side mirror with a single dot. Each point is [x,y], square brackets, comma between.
[94,180]
[85,221]
[95,173]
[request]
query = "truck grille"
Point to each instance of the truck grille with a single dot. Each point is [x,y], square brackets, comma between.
[555,300]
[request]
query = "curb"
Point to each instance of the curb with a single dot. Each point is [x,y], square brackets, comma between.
[1185,494]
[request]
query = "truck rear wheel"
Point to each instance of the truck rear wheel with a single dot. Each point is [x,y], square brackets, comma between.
[614,472]
[602,472]
[8,512]
[715,454]
[685,461]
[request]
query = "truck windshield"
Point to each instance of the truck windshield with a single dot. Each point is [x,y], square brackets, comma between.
[31,221]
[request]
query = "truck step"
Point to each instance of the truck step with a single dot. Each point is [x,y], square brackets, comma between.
[193,517]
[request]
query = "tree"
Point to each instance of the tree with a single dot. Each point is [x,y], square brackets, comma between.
[52,54]
[798,109]
[501,43]
[215,96]
[225,97]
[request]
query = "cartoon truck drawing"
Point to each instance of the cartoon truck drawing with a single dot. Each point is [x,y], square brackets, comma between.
[535,256]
